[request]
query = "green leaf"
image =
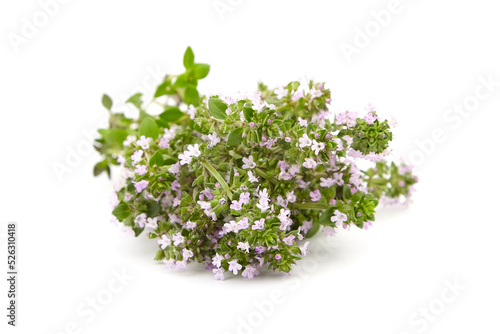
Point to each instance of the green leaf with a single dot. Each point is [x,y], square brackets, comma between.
[217,108]
[313,230]
[188,58]
[107,102]
[102,167]
[169,161]
[160,255]
[136,100]
[248,113]
[235,137]
[164,89]
[156,159]
[149,128]
[113,137]
[325,217]
[121,211]
[191,96]
[138,230]
[181,81]
[201,70]
[171,114]
[154,209]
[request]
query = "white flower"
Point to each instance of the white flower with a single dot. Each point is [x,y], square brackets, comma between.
[137,156]
[216,260]
[189,225]
[250,272]
[178,239]
[219,274]
[315,93]
[144,142]
[309,163]
[152,223]
[191,111]
[305,141]
[263,204]
[204,205]
[141,220]
[175,168]
[317,147]
[252,178]
[164,241]
[302,122]
[338,217]
[194,150]
[281,92]
[327,183]
[244,246]
[290,197]
[248,162]
[130,139]
[263,194]
[185,159]
[186,254]
[303,248]
[234,266]
[214,139]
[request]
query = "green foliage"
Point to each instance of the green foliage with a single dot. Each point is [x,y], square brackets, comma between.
[245,180]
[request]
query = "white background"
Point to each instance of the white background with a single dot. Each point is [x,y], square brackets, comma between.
[428,58]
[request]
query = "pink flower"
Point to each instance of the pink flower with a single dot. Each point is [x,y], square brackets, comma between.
[281,92]
[315,195]
[258,224]
[234,266]
[141,185]
[219,274]
[141,169]
[338,217]
[164,241]
[289,240]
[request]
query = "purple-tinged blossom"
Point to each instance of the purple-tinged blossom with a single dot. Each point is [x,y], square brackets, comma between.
[248,163]
[141,185]
[234,266]
[338,217]
[258,224]
[164,241]
[178,239]
[144,142]
[315,195]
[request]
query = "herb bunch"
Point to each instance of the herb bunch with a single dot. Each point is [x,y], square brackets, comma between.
[238,183]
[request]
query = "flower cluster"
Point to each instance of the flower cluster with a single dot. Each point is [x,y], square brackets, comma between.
[239,182]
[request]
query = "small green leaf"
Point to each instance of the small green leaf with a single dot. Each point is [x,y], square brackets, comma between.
[217,108]
[160,255]
[235,137]
[113,137]
[188,58]
[248,113]
[313,230]
[325,217]
[171,114]
[191,96]
[154,209]
[102,167]
[148,128]
[156,159]
[136,100]
[169,161]
[107,102]
[201,70]
[121,211]
[164,89]
[181,81]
